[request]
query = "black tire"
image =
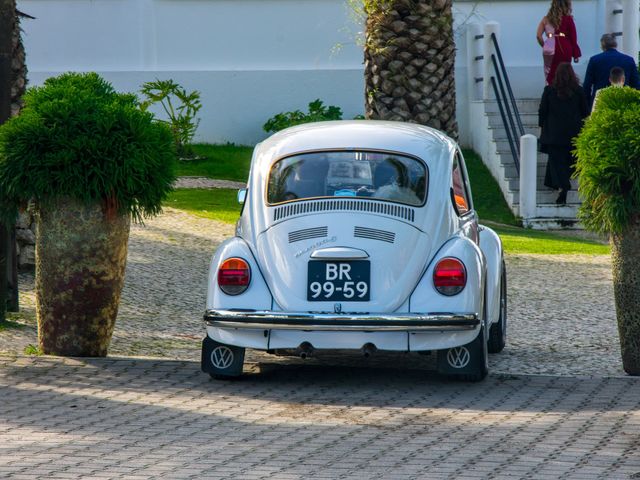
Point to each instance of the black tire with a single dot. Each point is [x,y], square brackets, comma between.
[498,330]
[220,361]
[467,363]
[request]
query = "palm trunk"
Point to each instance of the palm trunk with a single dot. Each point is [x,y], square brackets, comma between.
[409,63]
[625,255]
[7,21]
[80,262]
[18,65]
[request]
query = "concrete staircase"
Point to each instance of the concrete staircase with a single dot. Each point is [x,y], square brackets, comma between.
[497,156]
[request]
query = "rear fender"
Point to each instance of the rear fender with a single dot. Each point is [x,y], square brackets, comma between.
[491,247]
[425,298]
[256,297]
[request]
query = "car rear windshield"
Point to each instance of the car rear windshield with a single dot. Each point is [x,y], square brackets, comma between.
[375,175]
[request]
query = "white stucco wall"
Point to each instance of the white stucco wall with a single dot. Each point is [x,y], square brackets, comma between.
[251,59]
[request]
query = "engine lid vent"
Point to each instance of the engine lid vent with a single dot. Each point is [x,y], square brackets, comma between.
[351,205]
[307,233]
[374,234]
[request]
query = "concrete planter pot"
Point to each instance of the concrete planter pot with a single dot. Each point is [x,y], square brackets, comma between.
[80,263]
[625,256]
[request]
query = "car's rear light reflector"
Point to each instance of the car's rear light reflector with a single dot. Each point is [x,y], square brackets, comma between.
[449,276]
[234,276]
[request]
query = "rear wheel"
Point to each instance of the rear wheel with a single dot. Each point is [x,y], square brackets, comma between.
[498,330]
[221,361]
[468,363]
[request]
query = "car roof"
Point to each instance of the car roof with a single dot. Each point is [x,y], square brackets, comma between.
[409,138]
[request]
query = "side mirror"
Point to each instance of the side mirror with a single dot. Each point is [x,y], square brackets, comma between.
[242,196]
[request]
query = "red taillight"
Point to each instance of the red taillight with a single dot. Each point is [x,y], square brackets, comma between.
[449,276]
[234,276]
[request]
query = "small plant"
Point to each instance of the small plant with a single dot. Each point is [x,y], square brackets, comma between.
[182,117]
[318,112]
[32,350]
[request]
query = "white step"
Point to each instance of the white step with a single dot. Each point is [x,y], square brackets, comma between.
[548,214]
[527,119]
[525,105]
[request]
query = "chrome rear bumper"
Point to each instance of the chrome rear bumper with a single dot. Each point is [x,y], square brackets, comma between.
[360,322]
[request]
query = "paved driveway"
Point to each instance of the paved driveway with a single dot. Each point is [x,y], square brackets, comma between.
[561,321]
[148,418]
[331,417]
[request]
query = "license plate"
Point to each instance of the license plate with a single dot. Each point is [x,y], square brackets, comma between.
[338,281]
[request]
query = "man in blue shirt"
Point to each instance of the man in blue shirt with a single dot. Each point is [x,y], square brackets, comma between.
[599,67]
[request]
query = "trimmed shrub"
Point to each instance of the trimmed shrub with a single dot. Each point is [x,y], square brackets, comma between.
[76,137]
[608,150]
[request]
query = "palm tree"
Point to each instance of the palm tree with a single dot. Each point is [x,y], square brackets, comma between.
[409,62]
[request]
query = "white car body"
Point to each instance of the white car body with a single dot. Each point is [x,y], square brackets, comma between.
[402,242]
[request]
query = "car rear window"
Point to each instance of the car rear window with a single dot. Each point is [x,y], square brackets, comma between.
[375,175]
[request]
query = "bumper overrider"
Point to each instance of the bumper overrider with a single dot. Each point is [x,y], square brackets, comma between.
[367,322]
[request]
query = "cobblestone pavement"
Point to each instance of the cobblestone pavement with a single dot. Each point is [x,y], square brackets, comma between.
[146,418]
[562,318]
[329,417]
[206,182]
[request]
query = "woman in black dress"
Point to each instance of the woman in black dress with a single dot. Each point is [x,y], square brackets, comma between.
[563,108]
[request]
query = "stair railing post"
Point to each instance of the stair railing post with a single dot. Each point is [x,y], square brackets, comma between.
[613,21]
[489,28]
[475,61]
[630,24]
[528,176]
[601,22]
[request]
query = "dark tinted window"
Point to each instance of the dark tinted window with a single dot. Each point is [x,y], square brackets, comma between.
[375,175]
[460,194]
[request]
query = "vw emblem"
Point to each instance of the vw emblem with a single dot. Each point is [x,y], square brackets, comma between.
[222,357]
[458,357]
[337,307]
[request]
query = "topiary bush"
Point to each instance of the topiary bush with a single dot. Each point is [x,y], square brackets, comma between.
[608,150]
[77,137]
[318,112]
[90,160]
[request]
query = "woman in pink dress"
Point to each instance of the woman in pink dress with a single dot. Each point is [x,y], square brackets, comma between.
[557,36]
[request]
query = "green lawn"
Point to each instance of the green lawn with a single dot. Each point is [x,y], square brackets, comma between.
[487,197]
[227,162]
[522,240]
[217,204]
[231,162]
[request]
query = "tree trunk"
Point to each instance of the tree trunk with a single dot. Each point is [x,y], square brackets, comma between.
[7,21]
[80,263]
[18,66]
[409,63]
[625,255]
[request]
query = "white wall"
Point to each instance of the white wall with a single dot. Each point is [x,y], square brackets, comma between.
[251,59]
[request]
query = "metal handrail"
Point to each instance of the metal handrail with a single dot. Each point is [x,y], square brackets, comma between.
[512,123]
[506,103]
[507,82]
[512,144]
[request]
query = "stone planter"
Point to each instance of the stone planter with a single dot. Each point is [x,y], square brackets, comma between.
[80,262]
[625,253]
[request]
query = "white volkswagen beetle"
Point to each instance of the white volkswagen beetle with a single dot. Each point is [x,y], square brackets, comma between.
[357,235]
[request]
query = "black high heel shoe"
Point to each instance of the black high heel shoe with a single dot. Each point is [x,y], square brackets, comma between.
[562,198]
